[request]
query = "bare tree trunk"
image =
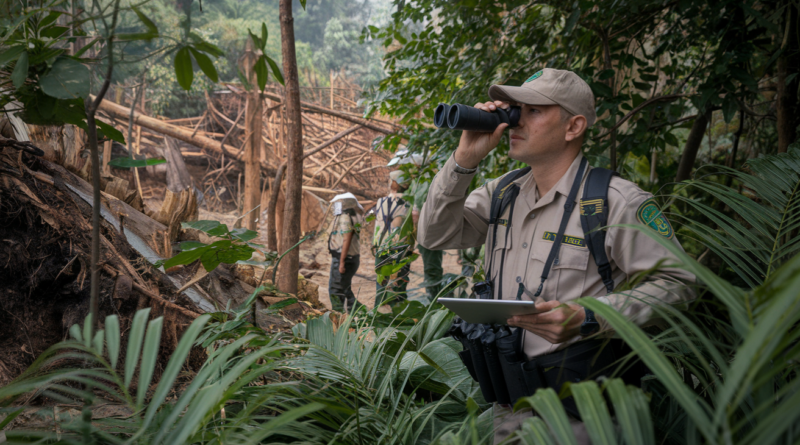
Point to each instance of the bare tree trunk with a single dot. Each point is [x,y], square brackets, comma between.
[788,64]
[287,280]
[272,233]
[252,143]
[692,145]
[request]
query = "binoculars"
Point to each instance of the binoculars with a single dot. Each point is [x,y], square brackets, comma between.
[464,117]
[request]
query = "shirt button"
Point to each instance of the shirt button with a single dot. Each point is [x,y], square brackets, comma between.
[533,215]
[524,245]
[519,279]
[454,177]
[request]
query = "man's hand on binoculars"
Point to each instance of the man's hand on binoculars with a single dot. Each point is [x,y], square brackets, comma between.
[558,323]
[475,145]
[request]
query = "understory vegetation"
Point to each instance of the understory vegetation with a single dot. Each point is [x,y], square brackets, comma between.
[722,372]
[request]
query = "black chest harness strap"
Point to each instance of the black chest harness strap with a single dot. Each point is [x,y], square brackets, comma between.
[505,195]
[594,215]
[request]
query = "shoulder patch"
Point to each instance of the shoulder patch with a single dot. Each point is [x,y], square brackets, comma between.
[650,215]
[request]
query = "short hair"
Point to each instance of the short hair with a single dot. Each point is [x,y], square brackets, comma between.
[565,115]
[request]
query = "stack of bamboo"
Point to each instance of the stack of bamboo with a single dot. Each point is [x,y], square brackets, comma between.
[216,138]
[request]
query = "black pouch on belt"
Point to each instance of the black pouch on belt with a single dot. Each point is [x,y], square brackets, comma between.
[488,339]
[511,361]
[459,331]
[479,363]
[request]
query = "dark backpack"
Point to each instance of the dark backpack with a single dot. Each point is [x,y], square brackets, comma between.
[594,214]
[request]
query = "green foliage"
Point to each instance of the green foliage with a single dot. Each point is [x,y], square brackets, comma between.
[260,66]
[234,246]
[192,416]
[754,230]
[672,59]
[373,382]
[53,85]
[737,377]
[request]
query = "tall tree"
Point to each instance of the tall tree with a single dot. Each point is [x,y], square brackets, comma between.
[252,145]
[287,281]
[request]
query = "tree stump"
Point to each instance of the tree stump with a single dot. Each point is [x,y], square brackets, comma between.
[180,201]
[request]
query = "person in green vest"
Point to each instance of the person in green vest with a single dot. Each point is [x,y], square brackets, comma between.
[388,246]
[345,250]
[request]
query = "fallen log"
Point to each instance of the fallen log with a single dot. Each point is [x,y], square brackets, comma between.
[162,127]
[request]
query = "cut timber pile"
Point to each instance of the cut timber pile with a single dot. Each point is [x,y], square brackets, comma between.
[46,207]
[218,137]
[45,229]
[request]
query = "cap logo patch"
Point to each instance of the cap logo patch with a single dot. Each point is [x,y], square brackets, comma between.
[535,76]
[650,215]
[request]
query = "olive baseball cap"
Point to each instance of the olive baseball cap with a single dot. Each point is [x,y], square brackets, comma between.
[551,87]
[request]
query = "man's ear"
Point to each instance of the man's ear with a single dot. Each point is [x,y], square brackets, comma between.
[575,128]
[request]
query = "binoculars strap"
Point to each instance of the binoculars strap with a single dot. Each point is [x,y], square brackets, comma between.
[568,207]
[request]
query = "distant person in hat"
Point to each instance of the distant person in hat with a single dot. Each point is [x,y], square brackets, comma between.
[538,249]
[388,246]
[344,246]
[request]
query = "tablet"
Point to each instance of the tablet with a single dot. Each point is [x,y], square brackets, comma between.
[488,311]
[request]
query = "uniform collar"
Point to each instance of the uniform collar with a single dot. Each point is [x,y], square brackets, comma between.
[563,186]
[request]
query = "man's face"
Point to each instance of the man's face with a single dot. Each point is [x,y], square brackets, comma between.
[541,133]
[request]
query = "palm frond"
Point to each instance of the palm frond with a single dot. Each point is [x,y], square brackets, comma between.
[764,233]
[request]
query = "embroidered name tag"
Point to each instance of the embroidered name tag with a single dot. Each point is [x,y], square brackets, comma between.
[571,240]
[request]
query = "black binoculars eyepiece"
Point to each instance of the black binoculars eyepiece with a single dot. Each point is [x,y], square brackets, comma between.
[463,117]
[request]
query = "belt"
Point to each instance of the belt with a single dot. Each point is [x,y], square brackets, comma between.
[336,254]
[505,375]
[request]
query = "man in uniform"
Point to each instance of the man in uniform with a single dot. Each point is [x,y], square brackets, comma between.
[390,215]
[557,108]
[344,242]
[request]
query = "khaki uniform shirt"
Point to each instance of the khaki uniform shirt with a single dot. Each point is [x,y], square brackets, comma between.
[342,224]
[386,210]
[452,220]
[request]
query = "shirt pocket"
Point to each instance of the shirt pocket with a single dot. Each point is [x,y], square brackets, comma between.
[502,243]
[571,270]
[567,273]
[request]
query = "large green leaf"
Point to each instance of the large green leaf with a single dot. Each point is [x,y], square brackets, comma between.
[152,342]
[262,74]
[20,72]
[183,68]
[67,79]
[205,64]
[10,54]
[594,413]
[275,70]
[135,338]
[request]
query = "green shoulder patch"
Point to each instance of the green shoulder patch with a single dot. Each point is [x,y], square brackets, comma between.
[650,215]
